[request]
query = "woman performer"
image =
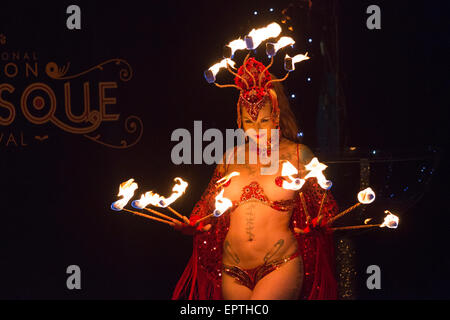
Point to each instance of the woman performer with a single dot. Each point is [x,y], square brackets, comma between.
[265,246]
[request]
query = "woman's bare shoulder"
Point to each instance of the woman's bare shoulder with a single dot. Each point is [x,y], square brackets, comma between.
[306,155]
[304,152]
[229,157]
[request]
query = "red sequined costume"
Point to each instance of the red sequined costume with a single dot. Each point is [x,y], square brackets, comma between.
[202,277]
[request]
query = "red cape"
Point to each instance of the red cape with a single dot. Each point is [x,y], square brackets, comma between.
[202,277]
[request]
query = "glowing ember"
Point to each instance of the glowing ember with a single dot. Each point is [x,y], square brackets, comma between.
[367,220]
[366,196]
[222,204]
[391,221]
[126,190]
[226,178]
[288,170]
[315,169]
[256,36]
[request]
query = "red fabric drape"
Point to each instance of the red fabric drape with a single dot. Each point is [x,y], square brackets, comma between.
[201,278]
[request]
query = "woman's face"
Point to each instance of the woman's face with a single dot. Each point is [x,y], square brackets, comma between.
[264,122]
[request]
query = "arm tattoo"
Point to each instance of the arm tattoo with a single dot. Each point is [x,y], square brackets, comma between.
[276,247]
[230,251]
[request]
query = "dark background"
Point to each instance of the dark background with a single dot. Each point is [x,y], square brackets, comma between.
[56,195]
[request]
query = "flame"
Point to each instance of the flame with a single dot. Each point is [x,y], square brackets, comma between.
[222,204]
[367,220]
[259,35]
[237,44]
[126,190]
[316,168]
[288,170]
[298,58]
[391,221]
[366,196]
[146,199]
[159,201]
[226,178]
[222,64]
[283,42]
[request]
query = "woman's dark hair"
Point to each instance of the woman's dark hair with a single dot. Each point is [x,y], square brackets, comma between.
[288,123]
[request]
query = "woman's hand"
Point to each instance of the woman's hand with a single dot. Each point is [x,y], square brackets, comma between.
[191,229]
[317,224]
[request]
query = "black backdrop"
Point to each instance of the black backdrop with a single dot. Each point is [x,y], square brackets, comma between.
[55,194]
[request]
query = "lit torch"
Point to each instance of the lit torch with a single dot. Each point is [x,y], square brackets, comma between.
[288,171]
[289,65]
[391,221]
[226,179]
[289,62]
[222,205]
[230,49]
[365,196]
[126,190]
[272,48]
[315,169]
[151,198]
[160,201]
[210,74]
[256,36]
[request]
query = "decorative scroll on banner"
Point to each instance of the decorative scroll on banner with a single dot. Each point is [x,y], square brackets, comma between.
[62,98]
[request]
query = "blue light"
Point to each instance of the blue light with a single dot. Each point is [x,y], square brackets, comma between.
[392,195]
[405,189]
[374,151]
[293,95]
[255,13]
[271,9]
[308,79]
[420,180]
[309,40]
[300,134]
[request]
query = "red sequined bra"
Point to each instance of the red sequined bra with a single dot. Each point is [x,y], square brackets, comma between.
[254,192]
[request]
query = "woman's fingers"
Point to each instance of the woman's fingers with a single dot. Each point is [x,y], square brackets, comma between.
[298,231]
[206,228]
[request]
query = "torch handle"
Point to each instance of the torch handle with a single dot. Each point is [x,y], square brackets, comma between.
[302,198]
[162,215]
[184,218]
[204,218]
[150,217]
[319,216]
[363,226]
[342,213]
